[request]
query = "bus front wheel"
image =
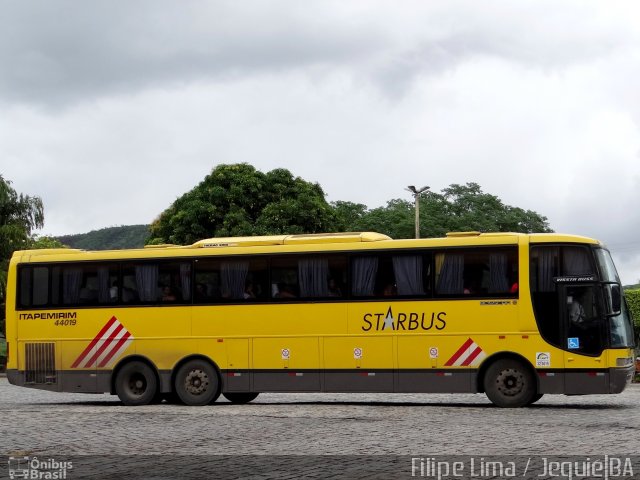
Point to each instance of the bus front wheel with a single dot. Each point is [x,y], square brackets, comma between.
[509,383]
[240,397]
[136,384]
[197,383]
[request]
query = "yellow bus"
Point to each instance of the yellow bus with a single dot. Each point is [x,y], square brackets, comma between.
[515,316]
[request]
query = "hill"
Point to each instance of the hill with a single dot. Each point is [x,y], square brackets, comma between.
[111,238]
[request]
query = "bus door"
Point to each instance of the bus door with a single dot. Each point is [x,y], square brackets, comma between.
[583,334]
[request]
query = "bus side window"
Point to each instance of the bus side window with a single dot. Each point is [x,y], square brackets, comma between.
[391,275]
[34,286]
[25,285]
[230,279]
[477,273]
[129,292]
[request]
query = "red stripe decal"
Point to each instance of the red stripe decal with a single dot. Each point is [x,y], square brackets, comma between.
[93,342]
[472,357]
[459,353]
[103,347]
[115,349]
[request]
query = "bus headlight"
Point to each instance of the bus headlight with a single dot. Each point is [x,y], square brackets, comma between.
[624,362]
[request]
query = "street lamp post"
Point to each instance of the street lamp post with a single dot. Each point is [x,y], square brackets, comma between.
[416,195]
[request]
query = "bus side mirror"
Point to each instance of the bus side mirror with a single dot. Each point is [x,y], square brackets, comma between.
[614,299]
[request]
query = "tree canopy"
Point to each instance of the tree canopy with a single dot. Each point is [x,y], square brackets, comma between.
[19,216]
[457,208]
[238,200]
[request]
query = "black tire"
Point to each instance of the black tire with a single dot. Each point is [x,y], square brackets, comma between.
[509,383]
[197,383]
[136,384]
[240,397]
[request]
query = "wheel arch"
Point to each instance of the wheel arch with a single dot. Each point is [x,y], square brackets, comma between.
[124,361]
[501,356]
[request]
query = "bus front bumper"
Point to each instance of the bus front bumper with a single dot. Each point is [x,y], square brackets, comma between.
[620,377]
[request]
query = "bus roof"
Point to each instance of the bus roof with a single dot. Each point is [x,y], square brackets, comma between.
[295,243]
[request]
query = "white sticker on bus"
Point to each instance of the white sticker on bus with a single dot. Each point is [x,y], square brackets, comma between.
[543,359]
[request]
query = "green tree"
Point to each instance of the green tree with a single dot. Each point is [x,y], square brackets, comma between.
[467,207]
[19,216]
[38,242]
[349,215]
[238,200]
[457,208]
[396,219]
[633,300]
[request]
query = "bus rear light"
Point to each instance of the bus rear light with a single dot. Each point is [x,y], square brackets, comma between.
[595,374]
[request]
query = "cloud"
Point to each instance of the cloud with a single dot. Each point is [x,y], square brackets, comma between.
[102,49]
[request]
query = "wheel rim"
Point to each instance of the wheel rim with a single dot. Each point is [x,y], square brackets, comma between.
[510,382]
[137,384]
[196,382]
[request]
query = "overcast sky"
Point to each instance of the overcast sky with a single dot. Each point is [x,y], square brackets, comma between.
[110,111]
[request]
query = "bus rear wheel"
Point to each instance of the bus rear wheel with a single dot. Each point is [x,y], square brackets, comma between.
[197,383]
[136,384]
[509,383]
[240,397]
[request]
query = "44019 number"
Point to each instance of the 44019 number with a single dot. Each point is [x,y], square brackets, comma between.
[67,322]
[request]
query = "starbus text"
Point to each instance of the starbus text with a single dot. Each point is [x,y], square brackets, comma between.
[403,321]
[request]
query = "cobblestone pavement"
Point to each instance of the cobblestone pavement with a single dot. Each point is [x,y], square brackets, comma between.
[48,424]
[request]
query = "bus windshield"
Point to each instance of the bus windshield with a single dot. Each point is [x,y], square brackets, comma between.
[620,326]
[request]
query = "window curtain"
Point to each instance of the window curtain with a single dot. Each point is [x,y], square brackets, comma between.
[234,276]
[576,261]
[546,269]
[71,282]
[185,281]
[103,285]
[364,273]
[408,273]
[147,283]
[498,273]
[313,277]
[451,281]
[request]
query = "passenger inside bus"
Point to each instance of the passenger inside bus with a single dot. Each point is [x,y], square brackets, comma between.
[249,292]
[334,289]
